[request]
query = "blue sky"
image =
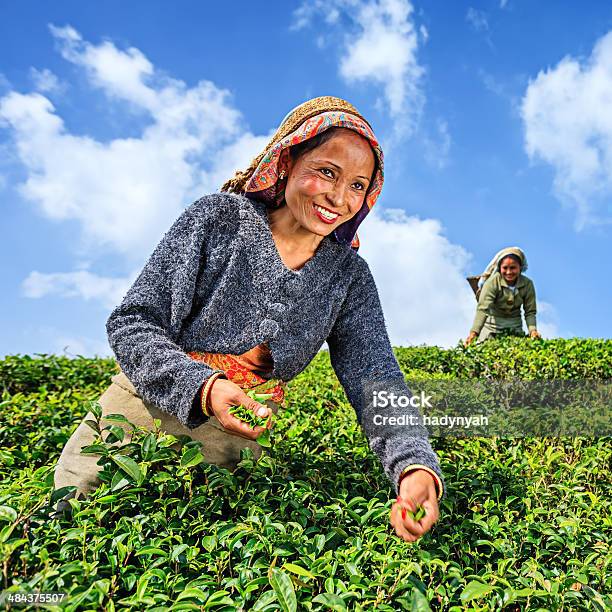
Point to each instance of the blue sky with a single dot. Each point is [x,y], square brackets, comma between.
[493,117]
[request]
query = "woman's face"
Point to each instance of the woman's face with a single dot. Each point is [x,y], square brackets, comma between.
[509,270]
[327,186]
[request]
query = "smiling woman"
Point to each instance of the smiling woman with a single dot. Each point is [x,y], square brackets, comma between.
[504,290]
[242,292]
[325,186]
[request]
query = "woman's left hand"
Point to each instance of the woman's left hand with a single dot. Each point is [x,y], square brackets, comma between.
[472,336]
[417,488]
[534,333]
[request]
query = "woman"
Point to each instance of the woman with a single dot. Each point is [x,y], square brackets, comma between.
[504,291]
[243,291]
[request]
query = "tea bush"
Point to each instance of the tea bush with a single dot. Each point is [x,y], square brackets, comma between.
[525,523]
[513,357]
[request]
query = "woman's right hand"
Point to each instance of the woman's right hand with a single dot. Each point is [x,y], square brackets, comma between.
[470,338]
[223,395]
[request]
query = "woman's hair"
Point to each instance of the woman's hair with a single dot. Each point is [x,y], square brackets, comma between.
[301,148]
[513,257]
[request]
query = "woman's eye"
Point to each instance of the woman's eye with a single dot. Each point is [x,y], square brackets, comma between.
[327,172]
[359,186]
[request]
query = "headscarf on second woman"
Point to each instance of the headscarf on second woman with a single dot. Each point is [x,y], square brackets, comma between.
[493,265]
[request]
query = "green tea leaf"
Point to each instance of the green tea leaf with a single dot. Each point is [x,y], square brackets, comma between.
[191,457]
[475,590]
[300,571]
[264,439]
[8,514]
[418,514]
[96,409]
[194,593]
[331,601]
[115,434]
[95,449]
[118,482]
[283,587]
[129,466]
[116,418]
[149,446]
[93,425]
[418,602]
[151,550]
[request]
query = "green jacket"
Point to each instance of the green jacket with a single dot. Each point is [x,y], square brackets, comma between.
[497,299]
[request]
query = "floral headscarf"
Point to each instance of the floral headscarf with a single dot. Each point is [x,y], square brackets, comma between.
[261,179]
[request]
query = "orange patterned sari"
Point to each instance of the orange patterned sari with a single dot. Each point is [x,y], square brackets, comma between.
[244,370]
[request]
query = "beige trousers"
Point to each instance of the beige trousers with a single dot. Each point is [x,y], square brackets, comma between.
[219,446]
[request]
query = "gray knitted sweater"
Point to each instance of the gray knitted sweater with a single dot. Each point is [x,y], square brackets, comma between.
[216,283]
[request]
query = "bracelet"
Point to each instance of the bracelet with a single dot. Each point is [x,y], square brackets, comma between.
[418,466]
[206,393]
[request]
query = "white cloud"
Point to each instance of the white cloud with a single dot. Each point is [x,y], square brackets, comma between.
[126,192]
[305,13]
[492,84]
[547,320]
[436,149]
[45,80]
[79,345]
[237,155]
[120,73]
[49,339]
[82,284]
[420,276]
[477,19]
[568,124]
[380,47]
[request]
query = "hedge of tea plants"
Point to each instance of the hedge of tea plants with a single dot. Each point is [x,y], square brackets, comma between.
[525,524]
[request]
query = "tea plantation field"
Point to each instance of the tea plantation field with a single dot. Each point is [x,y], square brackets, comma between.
[525,524]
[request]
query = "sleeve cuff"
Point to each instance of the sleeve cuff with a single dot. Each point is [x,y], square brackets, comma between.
[479,322]
[418,466]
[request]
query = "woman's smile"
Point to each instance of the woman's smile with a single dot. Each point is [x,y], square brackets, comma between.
[326,215]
